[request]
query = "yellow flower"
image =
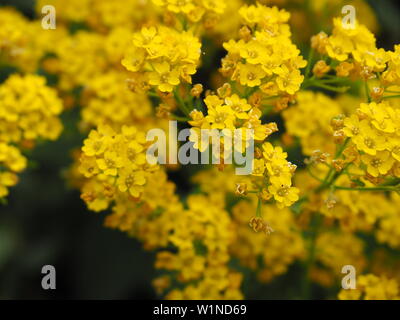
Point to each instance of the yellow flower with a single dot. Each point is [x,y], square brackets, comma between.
[352,126]
[96,144]
[378,164]
[164,78]
[279,172]
[258,167]
[110,163]
[134,59]
[289,80]
[88,166]
[221,117]
[394,147]
[272,153]
[284,195]
[134,153]
[239,106]
[7,179]
[254,52]
[337,48]
[131,181]
[369,139]
[197,118]
[250,75]
[372,287]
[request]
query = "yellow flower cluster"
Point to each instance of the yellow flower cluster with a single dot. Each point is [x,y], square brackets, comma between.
[28,111]
[333,251]
[129,64]
[273,175]
[265,57]
[354,211]
[356,53]
[11,162]
[118,160]
[372,287]
[388,231]
[354,47]
[73,55]
[24,43]
[309,121]
[194,10]
[101,15]
[285,245]
[227,113]
[202,236]
[152,217]
[392,75]
[12,38]
[374,133]
[106,94]
[162,57]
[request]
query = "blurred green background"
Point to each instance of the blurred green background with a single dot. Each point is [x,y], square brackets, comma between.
[45,222]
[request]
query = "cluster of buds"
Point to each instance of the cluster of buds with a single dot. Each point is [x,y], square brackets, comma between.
[260,225]
[337,124]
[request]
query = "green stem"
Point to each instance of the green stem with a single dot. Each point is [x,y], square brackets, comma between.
[381,188]
[327,182]
[258,211]
[309,61]
[391,97]
[306,283]
[178,118]
[331,88]
[313,175]
[181,103]
[249,92]
[367,92]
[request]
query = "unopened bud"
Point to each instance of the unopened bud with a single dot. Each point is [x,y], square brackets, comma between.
[339,136]
[258,224]
[245,33]
[321,68]
[196,90]
[338,164]
[337,122]
[377,93]
[241,189]
[224,91]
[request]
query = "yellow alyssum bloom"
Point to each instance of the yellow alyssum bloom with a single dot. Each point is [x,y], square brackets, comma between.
[334,249]
[354,45]
[267,56]
[106,94]
[233,116]
[117,158]
[374,131]
[11,162]
[372,287]
[170,55]
[285,244]
[28,109]
[285,195]
[194,10]
[378,164]
[309,119]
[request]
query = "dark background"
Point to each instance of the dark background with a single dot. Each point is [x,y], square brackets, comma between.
[45,222]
